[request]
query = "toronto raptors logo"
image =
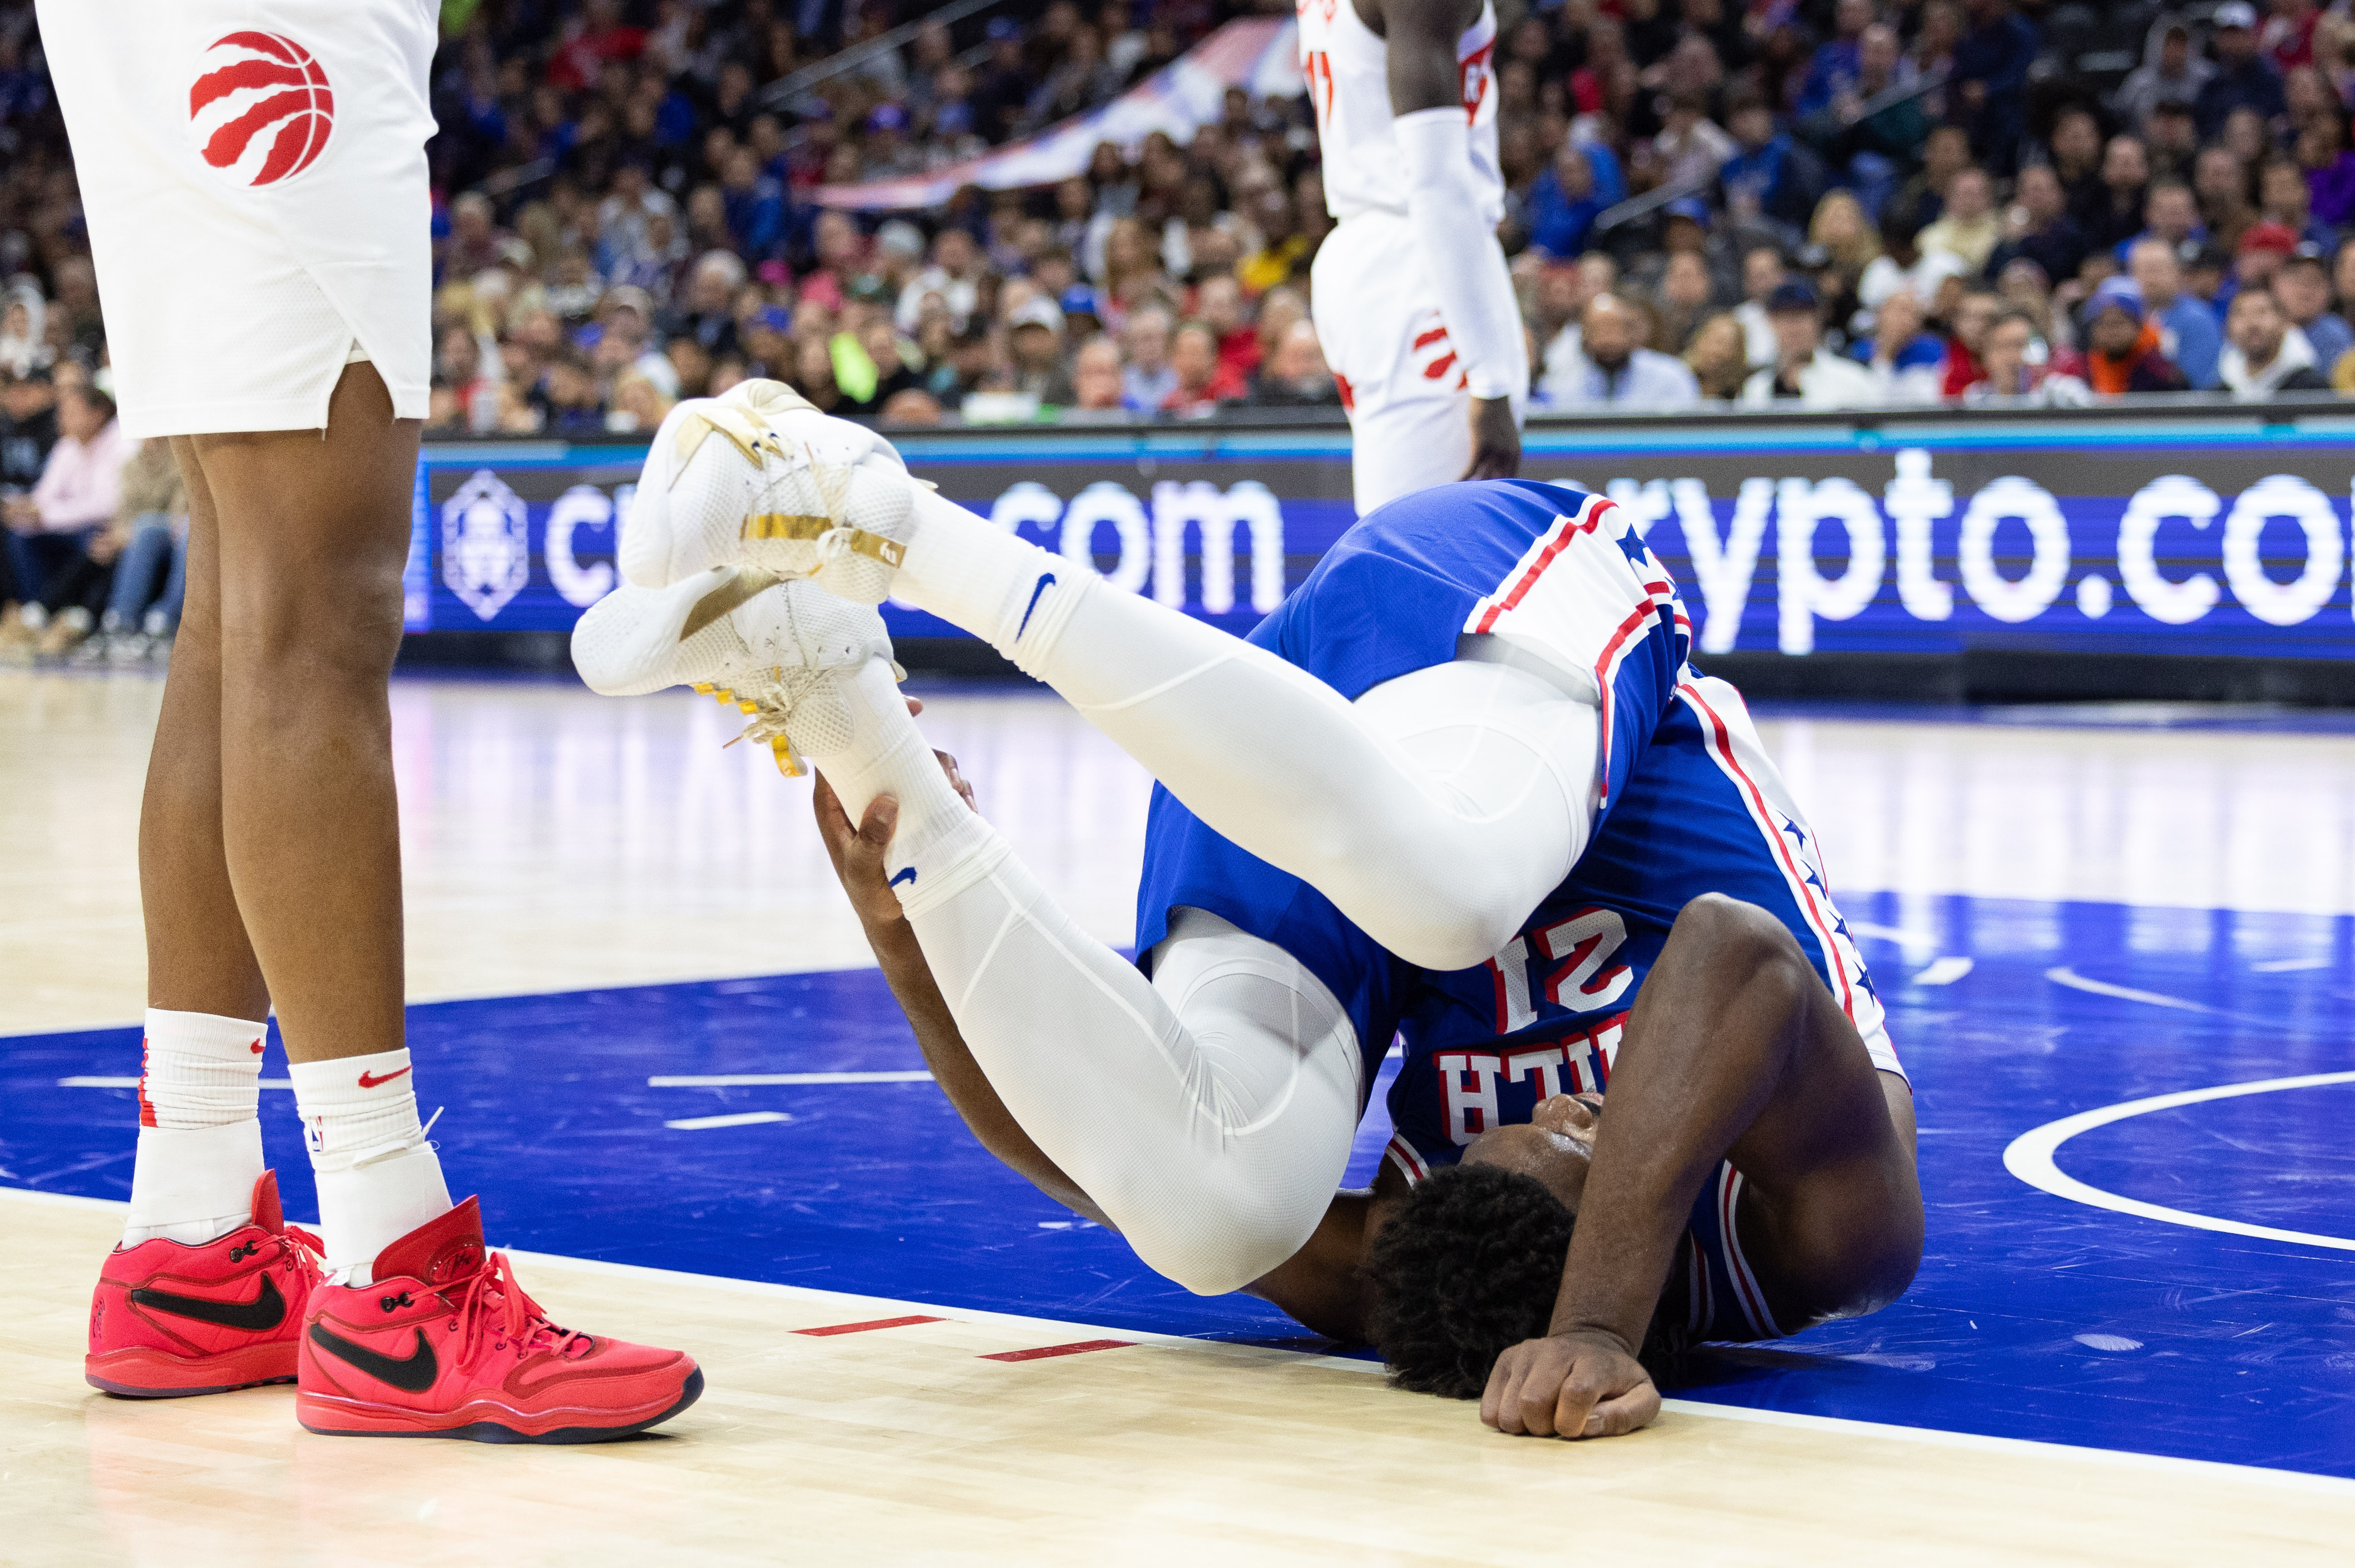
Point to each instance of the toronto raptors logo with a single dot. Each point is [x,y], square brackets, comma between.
[262,110]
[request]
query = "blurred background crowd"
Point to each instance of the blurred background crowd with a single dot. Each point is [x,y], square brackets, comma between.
[1819,203]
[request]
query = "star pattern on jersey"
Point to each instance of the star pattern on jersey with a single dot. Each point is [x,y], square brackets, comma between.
[1631,544]
[1864,979]
[1798,834]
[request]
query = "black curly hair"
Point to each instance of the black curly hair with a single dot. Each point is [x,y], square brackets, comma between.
[1467,1265]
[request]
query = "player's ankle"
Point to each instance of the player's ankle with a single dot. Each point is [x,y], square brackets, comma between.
[378,1178]
[199,1138]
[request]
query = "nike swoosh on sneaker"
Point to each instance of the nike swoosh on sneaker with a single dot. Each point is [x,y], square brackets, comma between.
[369,1080]
[265,1311]
[414,1374]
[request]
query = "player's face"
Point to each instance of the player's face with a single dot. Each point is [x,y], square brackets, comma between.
[1555,1145]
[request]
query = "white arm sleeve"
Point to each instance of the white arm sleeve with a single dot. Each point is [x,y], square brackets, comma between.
[1475,292]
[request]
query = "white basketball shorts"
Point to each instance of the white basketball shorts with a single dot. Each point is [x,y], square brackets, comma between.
[253,175]
[1379,323]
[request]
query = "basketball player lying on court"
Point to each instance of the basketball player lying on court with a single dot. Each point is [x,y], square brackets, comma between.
[1462,788]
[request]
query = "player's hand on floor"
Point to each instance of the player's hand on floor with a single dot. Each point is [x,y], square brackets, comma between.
[1569,1385]
[857,853]
[1495,439]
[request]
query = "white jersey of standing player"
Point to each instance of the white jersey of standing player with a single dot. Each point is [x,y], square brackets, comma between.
[1377,307]
[1347,70]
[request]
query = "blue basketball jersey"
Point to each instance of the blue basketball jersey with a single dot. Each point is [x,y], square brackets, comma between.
[1687,803]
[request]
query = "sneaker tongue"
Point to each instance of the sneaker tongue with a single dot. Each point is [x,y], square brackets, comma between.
[266,1211]
[439,1252]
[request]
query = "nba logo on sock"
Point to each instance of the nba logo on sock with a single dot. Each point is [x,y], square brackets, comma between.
[260,108]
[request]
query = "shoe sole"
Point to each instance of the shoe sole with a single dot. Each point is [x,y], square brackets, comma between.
[494,1432]
[153,1374]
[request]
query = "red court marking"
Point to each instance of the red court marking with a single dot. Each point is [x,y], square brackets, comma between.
[862,1327]
[1043,1351]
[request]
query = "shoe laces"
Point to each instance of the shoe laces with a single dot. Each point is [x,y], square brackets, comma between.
[493,1305]
[767,698]
[305,1250]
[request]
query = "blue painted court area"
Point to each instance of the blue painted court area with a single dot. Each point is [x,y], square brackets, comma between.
[2034,1316]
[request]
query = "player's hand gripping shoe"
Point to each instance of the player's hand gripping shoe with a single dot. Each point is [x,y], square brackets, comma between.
[446,1344]
[169,1319]
[770,649]
[759,478]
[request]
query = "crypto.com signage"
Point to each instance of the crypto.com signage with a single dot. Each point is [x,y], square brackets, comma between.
[2215,537]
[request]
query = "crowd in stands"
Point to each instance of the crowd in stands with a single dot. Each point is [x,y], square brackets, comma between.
[1844,204]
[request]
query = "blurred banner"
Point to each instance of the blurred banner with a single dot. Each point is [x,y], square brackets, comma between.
[2222,536]
[1259,55]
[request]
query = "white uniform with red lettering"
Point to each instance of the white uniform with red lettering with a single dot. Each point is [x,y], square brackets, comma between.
[1377,310]
[253,174]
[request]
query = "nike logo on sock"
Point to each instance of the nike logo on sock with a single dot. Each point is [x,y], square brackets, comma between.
[413,1374]
[1045,583]
[265,1311]
[906,873]
[369,1080]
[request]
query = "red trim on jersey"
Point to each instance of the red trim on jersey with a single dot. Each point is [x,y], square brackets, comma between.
[1791,874]
[1410,1164]
[1348,393]
[1438,367]
[1564,529]
[1745,1284]
[1436,335]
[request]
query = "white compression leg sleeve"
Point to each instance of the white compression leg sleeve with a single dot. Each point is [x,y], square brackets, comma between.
[1208,1111]
[1438,850]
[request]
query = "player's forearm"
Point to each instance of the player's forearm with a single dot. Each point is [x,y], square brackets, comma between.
[1703,1054]
[1466,272]
[954,1068]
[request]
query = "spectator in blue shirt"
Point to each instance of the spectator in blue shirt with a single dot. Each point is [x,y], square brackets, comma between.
[2303,288]
[2244,78]
[756,205]
[1770,176]
[2189,333]
[1569,194]
[1837,66]
[1989,82]
[2170,213]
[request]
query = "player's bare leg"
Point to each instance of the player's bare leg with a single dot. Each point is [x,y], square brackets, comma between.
[311,531]
[198,957]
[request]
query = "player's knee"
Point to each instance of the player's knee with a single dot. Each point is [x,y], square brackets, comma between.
[1451,923]
[1213,1242]
[314,625]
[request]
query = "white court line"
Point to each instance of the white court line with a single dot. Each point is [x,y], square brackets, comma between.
[89,1083]
[2030,1158]
[1944,971]
[740,1119]
[2289,966]
[880,1307]
[765,1080]
[2076,982]
[1896,933]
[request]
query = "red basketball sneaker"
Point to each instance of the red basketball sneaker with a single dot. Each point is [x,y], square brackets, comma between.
[169,1319]
[446,1344]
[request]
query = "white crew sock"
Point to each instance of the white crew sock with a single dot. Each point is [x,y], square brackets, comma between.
[888,756]
[199,1136]
[379,1179]
[972,574]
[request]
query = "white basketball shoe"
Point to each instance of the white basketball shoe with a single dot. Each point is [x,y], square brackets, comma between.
[774,650]
[759,478]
